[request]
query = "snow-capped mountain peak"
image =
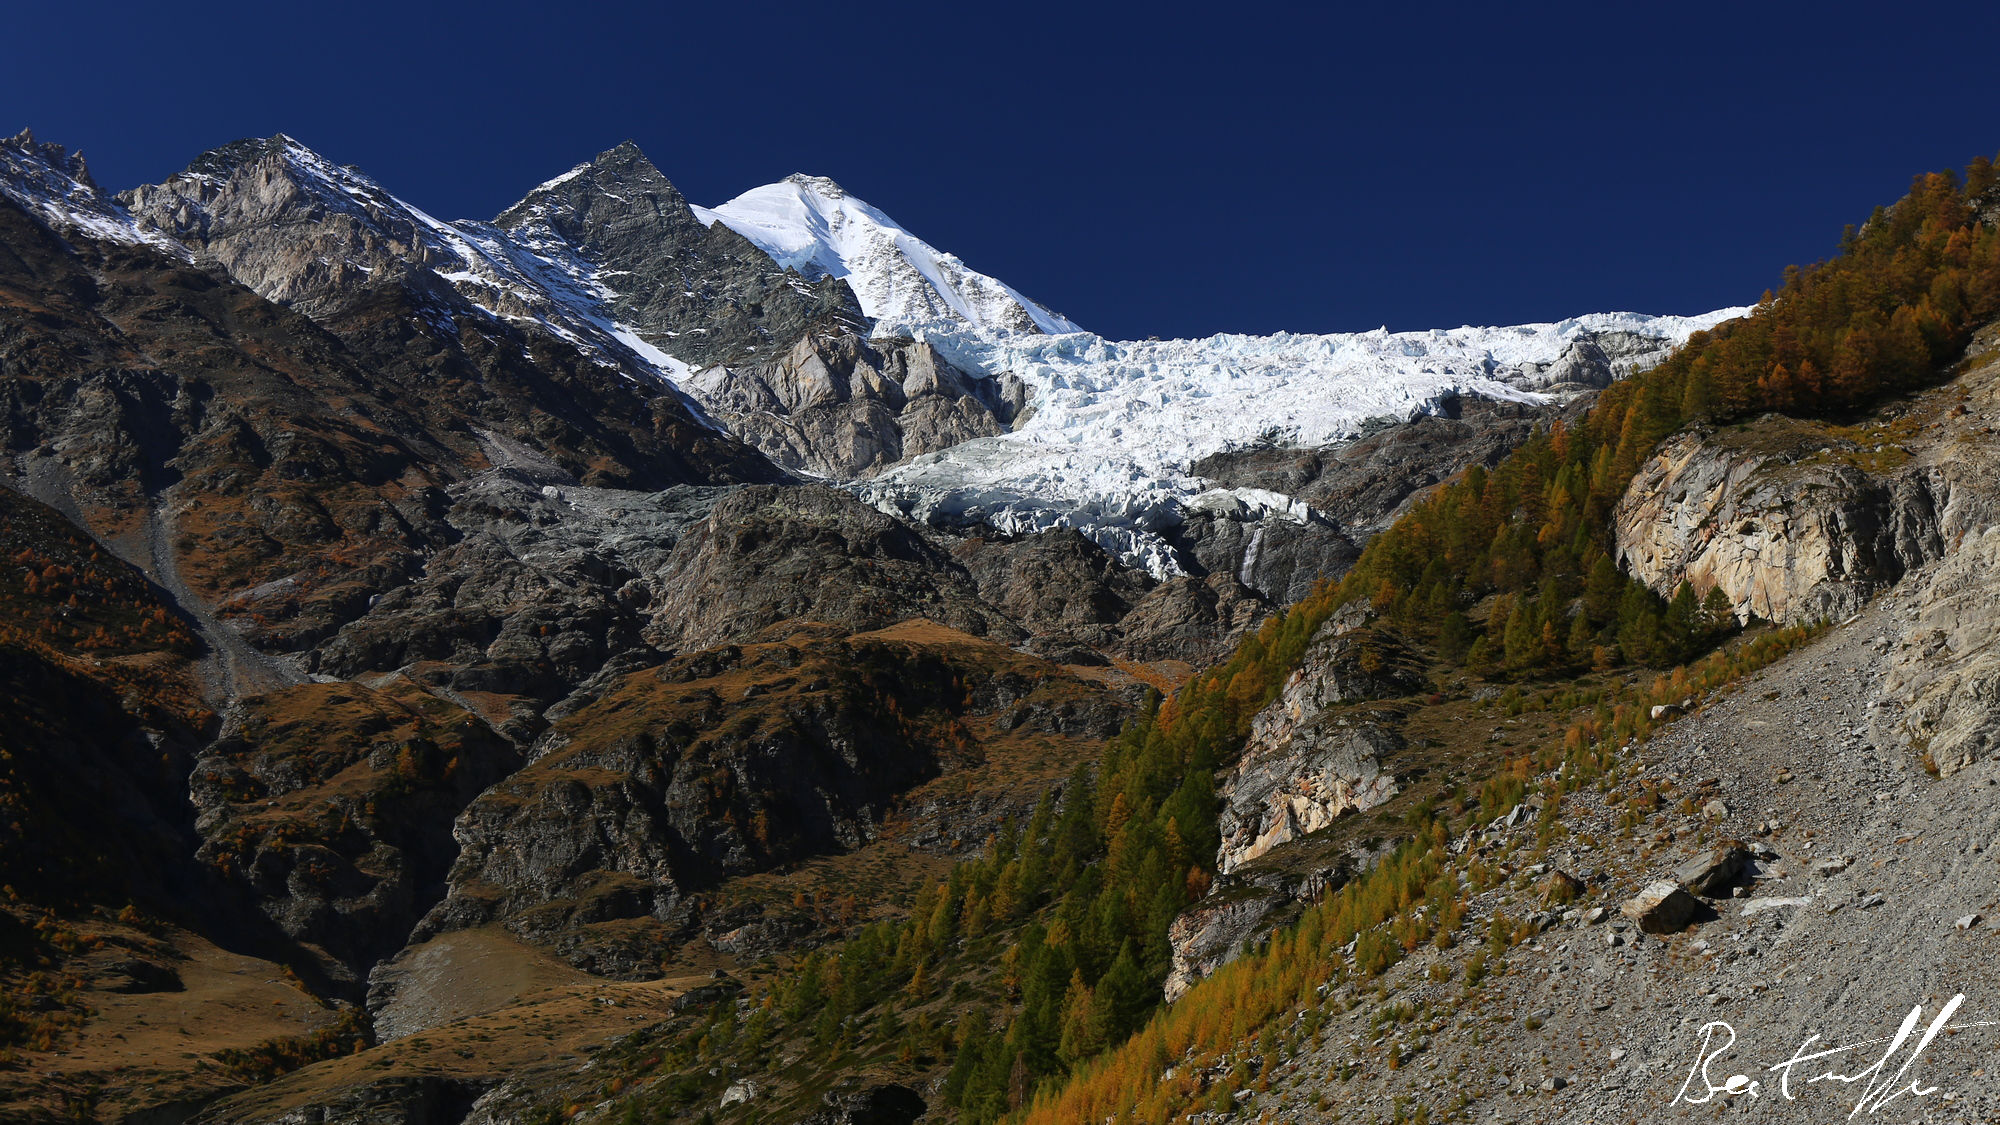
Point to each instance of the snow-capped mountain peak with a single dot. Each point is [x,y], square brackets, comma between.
[811,224]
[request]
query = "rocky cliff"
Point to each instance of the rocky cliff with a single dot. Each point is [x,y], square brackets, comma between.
[1363,484]
[840,406]
[1803,520]
[1858,771]
[701,291]
[1311,758]
[1307,762]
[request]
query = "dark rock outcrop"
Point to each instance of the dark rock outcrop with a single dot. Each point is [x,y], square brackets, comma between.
[1281,559]
[889,1104]
[1194,620]
[724,763]
[1366,483]
[394,1100]
[766,555]
[332,805]
[704,293]
[1054,582]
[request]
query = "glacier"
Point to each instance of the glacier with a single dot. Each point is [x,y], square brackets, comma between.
[1115,426]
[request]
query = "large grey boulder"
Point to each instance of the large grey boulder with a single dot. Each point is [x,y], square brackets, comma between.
[1712,872]
[1663,907]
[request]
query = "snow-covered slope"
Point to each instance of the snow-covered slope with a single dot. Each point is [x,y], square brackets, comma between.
[809,224]
[1115,426]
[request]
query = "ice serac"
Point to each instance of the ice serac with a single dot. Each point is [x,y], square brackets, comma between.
[808,223]
[1113,429]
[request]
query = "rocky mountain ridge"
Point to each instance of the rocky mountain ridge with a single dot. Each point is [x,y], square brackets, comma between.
[609,259]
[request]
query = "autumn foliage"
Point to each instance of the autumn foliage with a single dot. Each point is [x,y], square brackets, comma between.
[1509,569]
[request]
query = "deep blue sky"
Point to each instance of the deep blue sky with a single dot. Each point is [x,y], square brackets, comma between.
[1144,169]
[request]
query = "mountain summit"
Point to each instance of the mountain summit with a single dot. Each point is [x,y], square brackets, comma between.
[621,232]
[808,223]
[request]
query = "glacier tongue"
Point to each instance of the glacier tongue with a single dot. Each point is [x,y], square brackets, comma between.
[1115,426]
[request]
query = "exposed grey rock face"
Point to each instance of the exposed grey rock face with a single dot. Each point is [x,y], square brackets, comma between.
[1797,522]
[548,582]
[840,406]
[1282,791]
[1305,764]
[1249,903]
[608,261]
[703,293]
[1281,559]
[1946,672]
[1054,581]
[1593,361]
[1194,620]
[298,230]
[1787,537]
[1211,933]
